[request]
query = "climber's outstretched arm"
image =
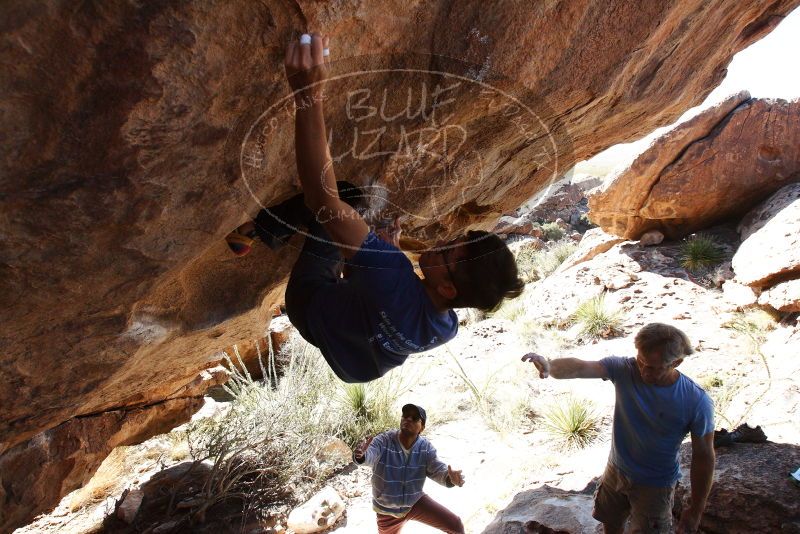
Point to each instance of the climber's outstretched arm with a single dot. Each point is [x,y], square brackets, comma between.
[307,72]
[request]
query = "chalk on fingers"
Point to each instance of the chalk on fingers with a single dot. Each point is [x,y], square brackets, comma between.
[326,51]
[305,39]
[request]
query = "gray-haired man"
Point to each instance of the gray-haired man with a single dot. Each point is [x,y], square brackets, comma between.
[656,406]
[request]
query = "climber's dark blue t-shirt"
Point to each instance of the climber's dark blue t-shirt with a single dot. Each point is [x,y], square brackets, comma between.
[379,315]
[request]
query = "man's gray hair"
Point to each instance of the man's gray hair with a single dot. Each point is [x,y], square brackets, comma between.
[671,342]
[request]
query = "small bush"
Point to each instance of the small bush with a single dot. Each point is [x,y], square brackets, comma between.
[597,320]
[526,256]
[709,382]
[552,231]
[700,252]
[554,256]
[266,444]
[753,324]
[368,409]
[574,422]
[534,264]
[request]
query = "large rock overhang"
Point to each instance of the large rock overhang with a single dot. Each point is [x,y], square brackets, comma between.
[123,127]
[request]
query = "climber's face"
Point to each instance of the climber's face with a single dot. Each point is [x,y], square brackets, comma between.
[438,265]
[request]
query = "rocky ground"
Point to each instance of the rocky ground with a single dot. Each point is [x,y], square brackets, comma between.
[485,406]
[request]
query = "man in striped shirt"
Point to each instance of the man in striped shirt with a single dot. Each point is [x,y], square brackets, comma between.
[401,460]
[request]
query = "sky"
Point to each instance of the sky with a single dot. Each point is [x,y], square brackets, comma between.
[768,68]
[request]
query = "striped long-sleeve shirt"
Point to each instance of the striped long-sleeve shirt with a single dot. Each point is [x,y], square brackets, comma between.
[397,480]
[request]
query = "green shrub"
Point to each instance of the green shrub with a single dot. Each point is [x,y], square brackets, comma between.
[573,422]
[526,256]
[369,409]
[552,231]
[267,442]
[700,252]
[534,264]
[709,382]
[597,320]
[555,256]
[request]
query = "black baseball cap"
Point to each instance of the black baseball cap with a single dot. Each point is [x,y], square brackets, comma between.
[419,409]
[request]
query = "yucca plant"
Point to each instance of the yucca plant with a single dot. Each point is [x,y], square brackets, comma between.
[700,252]
[597,320]
[368,409]
[574,422]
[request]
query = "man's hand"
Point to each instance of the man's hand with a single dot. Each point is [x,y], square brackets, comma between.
[306,68]
[361,448]
[391,234]
[689,522]
[455,477]
[542,364]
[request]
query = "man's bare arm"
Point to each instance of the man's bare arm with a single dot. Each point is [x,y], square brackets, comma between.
[306,71]
[702,477]
[563,368]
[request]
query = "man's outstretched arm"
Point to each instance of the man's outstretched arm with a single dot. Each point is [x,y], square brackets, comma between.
[307,72]
[566,367]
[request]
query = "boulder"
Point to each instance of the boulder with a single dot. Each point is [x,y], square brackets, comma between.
[741,296]
[280,331]
[129,507]
[709,169]
[784,297]
[334,454]
[751,492]
[770,249]
[593,242]
[319,513]
[564,200]
[68,455]
[136,135]
[517,226]
[650,238]
[548,510]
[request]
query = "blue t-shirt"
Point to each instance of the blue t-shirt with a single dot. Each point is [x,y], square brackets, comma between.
[377,316]
[650,422]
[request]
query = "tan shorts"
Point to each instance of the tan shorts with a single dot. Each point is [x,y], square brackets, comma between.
[617,498]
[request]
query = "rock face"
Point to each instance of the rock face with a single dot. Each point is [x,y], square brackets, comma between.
[594,242]
[137,135]
[784,297]
[770,249]
[35,474]
[711,168]
[562,201]
[751,492]
[516,226]
[549,510]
